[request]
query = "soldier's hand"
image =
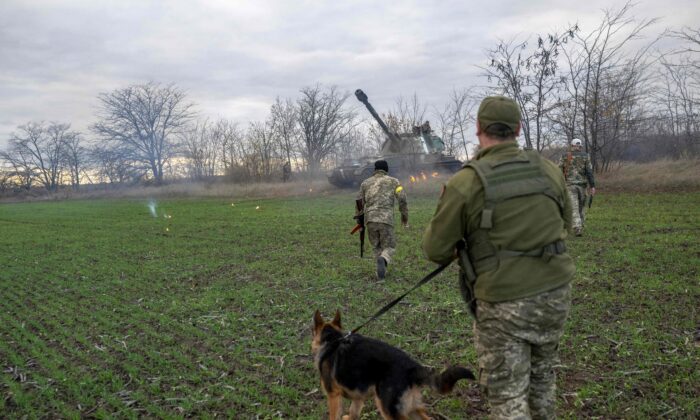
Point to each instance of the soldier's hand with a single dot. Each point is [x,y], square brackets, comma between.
[592,190]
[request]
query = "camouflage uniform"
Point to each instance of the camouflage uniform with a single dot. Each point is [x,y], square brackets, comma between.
[523,273]
[517,343]
[579,174]
[379,193]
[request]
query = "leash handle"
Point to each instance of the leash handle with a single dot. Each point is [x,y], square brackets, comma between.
[391,304]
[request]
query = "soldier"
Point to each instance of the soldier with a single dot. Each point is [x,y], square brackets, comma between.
[378,193]
[286,172]
[511,209]
[578,173]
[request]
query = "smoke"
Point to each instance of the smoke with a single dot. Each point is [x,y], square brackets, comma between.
[152,207]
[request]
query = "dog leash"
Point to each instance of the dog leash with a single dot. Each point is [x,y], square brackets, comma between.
[391,304]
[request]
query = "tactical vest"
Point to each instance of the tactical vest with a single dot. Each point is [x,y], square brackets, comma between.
[575,170]
[503,180]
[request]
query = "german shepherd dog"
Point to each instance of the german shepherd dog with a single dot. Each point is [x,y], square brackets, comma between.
[357,367]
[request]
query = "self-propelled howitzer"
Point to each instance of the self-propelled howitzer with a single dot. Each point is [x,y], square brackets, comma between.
[415,153]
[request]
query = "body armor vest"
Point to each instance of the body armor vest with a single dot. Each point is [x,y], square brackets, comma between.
[503,180]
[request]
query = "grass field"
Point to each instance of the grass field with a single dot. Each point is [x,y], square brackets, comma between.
[205,310]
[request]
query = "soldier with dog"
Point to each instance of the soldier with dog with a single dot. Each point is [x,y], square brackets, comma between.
[509,212]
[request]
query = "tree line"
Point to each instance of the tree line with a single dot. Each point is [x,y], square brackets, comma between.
[145,132]
[611,86]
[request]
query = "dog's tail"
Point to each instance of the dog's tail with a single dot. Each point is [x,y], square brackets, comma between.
[445,381]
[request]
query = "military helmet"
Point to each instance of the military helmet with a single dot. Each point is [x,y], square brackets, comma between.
[576,142]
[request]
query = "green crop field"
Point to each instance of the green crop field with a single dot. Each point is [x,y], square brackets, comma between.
[204,310]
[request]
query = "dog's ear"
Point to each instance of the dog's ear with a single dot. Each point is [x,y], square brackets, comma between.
[336,319]
[318,320]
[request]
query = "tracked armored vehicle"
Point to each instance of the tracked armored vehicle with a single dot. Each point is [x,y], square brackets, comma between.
[408,154]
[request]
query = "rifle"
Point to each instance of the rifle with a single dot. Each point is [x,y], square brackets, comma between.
[467,276]
[590,201]
[360,219]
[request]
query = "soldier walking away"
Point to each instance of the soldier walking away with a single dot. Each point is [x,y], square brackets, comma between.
[505,215]
[378,194]
[286,172]
[576,166]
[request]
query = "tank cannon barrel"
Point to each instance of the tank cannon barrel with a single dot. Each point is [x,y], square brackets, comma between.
[362,97]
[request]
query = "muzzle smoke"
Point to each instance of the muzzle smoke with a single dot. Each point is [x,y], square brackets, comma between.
[152,207]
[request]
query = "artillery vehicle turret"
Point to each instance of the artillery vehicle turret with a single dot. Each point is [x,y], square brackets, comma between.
[408,154]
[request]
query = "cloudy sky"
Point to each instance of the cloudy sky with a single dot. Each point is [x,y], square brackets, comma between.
[234,57]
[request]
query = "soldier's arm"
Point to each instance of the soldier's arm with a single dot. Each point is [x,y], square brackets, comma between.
[558,179]
[361,196]
[562,163]
[446,227]
[589,173]
[400,193]
[568,215]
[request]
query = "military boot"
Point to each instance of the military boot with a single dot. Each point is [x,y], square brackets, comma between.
[381,268]
[578,231]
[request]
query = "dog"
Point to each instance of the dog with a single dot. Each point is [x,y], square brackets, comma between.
[358,367]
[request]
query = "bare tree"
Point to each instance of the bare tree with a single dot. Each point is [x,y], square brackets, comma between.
[358,143]
[229,137]
[283,120]
[113,167]
[20,168]
[323,123]
[445,128]
[456,119]
[202,146]
[6,179]
[74,157]
[566,114]
[692,36]
[530,78]
[143,120]
[406,114]
[621,113]
[678,98]
[261,150]
[603,55]
[37,148]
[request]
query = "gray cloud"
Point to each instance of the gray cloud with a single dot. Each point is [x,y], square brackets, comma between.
[234,57]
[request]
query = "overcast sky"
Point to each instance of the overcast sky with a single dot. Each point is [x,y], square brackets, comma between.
[234,57]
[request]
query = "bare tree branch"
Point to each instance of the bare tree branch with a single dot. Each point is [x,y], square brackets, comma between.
[143,120]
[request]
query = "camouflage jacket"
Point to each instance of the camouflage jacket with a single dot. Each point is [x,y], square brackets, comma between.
[379,193]
[577,170]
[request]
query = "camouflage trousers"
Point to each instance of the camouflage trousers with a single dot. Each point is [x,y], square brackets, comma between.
[517,345]
[577,195]
[382,238]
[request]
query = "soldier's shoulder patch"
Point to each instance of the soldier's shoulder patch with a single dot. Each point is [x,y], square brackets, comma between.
[398,189]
